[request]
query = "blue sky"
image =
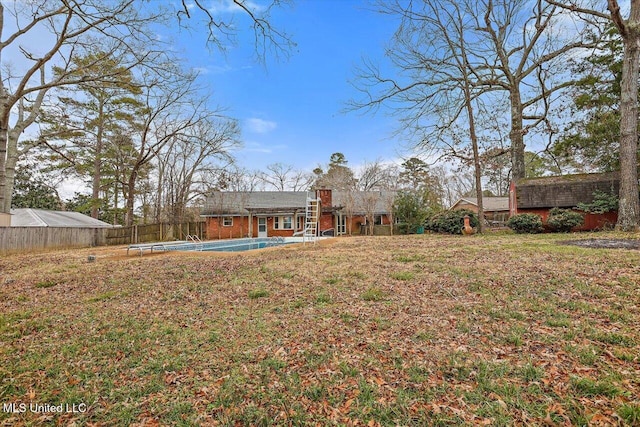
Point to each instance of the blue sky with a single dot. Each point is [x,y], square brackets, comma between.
[292,110]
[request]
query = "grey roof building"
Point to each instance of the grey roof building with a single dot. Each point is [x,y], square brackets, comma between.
[244,202]
[27,217]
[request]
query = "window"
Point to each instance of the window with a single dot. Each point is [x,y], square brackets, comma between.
[282,223]
[227,221]
[300,220]
[377,220]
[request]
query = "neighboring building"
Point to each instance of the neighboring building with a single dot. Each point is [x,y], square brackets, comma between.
[282,213]
[27,217]
[540,195]
[496,209]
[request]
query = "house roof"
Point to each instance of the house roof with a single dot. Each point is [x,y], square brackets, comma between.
[242,202]
[564,191]
[27,217]
[489,204]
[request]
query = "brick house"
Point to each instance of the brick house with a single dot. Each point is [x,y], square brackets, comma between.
[496,209]
[282,213]
[540,195]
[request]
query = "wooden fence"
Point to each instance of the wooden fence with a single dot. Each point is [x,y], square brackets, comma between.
[24,239]
[155,233]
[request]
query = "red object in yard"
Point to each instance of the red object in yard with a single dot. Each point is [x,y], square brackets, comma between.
[467,230]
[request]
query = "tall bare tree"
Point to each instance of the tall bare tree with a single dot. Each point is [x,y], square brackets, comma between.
[436,52]
[173,109]
[629,29]
[373,176]
[204,147]
[224,28]
[40,33]
[284,177]
[71,28]
[513,46]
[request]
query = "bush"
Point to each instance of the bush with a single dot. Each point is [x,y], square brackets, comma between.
[602,203]
[451,221]
[563,220]
[526,223]
[410,210]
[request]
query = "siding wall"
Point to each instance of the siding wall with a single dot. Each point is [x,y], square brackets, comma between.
[591,221]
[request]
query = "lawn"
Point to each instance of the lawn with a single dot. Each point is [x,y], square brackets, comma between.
[409,330]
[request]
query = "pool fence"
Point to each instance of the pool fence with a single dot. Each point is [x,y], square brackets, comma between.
[27,239]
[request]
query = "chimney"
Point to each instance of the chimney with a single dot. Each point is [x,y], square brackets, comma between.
[324,194]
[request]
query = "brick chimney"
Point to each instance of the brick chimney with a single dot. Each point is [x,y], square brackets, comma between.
[326,217]
[324,194]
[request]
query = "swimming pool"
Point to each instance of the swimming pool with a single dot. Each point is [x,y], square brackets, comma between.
[231,245]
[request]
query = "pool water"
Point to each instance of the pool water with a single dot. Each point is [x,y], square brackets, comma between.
[240,246]
[234,245]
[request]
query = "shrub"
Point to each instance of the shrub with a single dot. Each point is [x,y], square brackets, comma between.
[410,209]
[563,220]
[526,223]
[602,203]
[451,221]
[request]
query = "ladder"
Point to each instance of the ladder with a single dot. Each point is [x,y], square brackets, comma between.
[196,241]
[312,216]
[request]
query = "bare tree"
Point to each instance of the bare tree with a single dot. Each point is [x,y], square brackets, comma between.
[457,185]
[512,46]
[184,161]
[73,28]
[77,26]
[233,178]
[172,111]
[373,176]
[223,31]
[436,50]
[530,43]
[283,177]
[629,29]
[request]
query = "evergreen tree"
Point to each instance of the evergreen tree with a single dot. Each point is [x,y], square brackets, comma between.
[33,192]
[84,129]
[338,175]
[592,143]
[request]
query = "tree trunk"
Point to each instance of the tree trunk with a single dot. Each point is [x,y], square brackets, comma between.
[131,197]
[97,164]
[5,204]
[516,135]
[629,205]
[10,170]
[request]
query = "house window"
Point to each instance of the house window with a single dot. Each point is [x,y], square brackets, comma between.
[227,221]
[300,220]
[282,223]
[377,219]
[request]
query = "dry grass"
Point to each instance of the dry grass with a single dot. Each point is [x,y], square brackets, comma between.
[410,330]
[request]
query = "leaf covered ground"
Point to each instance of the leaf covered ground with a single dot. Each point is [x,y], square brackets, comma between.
[401,330]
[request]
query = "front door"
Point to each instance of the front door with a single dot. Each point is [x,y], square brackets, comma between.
[262,227]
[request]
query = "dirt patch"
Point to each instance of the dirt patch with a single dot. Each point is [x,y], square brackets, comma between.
[604,243]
